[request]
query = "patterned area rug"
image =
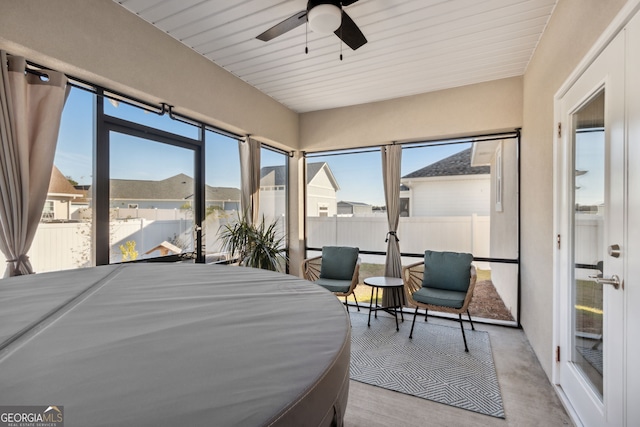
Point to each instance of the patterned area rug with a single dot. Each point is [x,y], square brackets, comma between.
[433,365]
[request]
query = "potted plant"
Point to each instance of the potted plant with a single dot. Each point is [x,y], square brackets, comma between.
[254,245]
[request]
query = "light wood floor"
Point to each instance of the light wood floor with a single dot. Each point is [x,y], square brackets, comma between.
[528,397]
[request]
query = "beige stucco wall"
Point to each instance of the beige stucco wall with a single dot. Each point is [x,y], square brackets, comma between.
[574,27]
[101,42]
[474,109]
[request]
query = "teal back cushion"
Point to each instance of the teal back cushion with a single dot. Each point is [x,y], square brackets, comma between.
[338,262]
[447,270]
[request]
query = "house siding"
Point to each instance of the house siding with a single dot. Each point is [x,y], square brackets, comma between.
[321,192]
[450,196]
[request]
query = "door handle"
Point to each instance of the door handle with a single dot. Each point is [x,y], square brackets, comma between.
[613,280]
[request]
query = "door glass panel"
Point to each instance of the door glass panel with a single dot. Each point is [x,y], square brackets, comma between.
[222,193]
[588,232]
[273,192]
[151,197]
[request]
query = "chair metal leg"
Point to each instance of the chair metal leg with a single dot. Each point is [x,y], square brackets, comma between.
[356,300]
[470,321]
[426,311]
[464,338]
[346,303]
[413,323]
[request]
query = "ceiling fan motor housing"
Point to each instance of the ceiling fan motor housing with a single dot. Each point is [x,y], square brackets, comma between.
[324,16]
[313,3]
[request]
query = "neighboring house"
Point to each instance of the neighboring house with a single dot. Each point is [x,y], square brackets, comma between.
[354,208]
[321,190]
[322,187]
[175,192]
[60,197]
[273,191]
[452,186]
[474,181]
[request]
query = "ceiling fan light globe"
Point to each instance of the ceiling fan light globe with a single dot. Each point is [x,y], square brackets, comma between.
[325,18]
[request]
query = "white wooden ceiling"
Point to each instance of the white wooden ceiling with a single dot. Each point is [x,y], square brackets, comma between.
[414,46]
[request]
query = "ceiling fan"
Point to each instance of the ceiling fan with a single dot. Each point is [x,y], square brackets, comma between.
[324,17]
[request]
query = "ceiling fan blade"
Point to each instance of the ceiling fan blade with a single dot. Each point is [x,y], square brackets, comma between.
[348,2]
[284,26]
[350,33]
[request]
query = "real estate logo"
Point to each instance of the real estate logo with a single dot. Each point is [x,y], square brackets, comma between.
[32,416]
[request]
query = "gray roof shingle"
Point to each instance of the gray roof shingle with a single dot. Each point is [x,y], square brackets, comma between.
[457,164]
[177,187]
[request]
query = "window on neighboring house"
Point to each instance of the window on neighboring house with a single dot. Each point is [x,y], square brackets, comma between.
[133,206]
[48,212]
[323,211]
[404,206]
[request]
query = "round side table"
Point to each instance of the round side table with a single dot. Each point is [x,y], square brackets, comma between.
[395,285]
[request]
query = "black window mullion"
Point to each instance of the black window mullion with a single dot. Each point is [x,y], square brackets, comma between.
[100,187]
[199,195]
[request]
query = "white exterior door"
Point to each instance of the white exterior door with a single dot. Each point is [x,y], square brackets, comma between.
[592,241]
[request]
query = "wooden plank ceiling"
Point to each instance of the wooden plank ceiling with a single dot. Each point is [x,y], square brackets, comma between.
[414,46]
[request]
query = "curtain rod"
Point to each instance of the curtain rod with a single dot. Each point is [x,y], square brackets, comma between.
[134,102]
[271,148]
[417,144]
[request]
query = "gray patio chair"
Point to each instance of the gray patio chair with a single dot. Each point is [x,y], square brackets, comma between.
[336,270]
[443,282]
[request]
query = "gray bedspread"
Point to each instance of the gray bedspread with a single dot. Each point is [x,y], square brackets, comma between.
[174,345]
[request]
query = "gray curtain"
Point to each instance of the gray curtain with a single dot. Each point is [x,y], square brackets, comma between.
[250,178]
[30,108]
[391,160]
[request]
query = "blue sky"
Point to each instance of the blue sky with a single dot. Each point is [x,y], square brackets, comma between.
[359,175]
[590,156]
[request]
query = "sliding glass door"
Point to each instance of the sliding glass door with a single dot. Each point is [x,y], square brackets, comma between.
[149,191]
[151,199]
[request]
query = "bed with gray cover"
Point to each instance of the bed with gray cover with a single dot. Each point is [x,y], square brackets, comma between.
[175,344]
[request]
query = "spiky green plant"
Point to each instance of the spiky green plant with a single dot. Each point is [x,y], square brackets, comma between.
[255,245]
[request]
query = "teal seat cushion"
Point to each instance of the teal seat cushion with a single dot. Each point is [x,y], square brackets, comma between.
[441,297]
[449,271]
[334,285]
[338,262]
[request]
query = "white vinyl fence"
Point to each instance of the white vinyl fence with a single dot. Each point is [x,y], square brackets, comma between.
[152,214]
[61,246]
[416,234]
